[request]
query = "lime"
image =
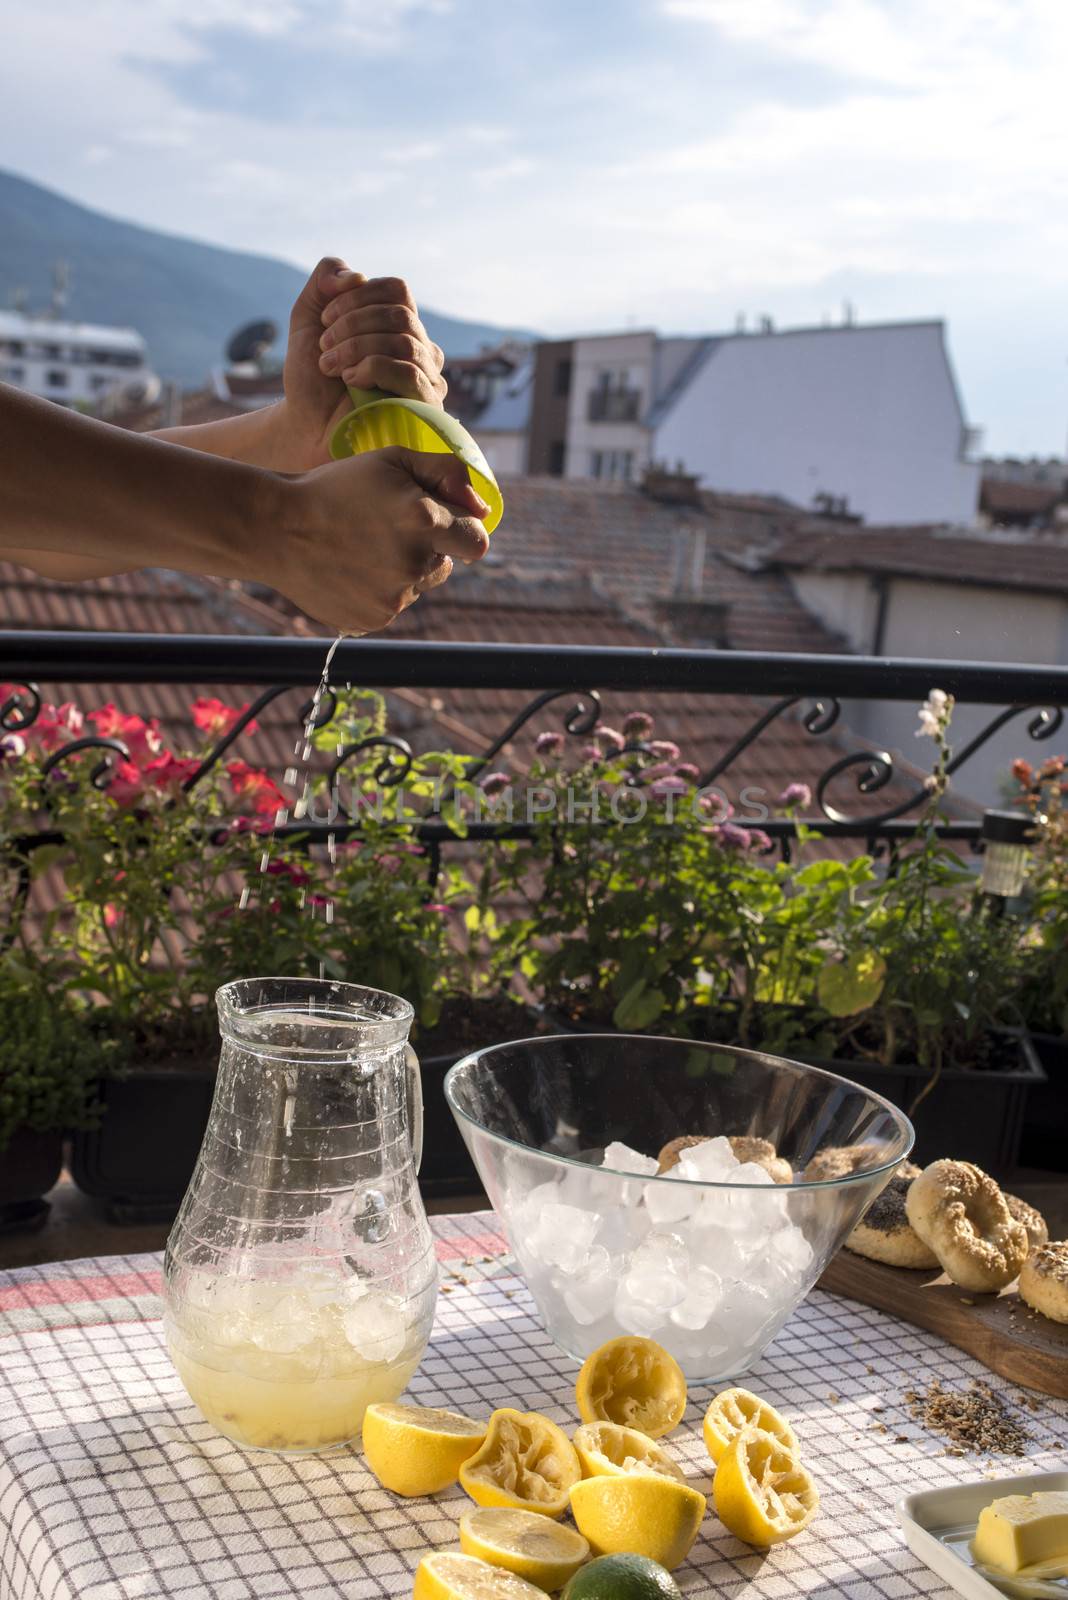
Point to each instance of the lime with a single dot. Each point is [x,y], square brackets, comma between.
[622,1578]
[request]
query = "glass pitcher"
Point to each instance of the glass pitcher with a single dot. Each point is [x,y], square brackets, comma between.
[300,1276]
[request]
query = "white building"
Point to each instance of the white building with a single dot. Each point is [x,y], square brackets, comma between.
[72,363]
[866,415]
[940,596]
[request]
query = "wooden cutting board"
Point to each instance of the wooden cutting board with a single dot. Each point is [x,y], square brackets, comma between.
[999,1330]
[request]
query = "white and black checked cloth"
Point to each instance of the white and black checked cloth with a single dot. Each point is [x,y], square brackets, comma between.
[113,1488]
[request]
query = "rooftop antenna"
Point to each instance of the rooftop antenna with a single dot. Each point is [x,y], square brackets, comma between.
[60,287]
[697,562]
[848,313]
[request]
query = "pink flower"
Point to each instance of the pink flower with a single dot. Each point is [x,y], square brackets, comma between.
[759,840]
[495,783]
[637,725]
[716,802]
[141,738]
[610,739]
[665,786]
[796,794]
[255,787]
[662,769]
[410,849]
[168,772]
[12,745]
[216,720]
[665,749]
[127,785]
[590,752]
[389,862]
[112,915]
[732,837]
[439,907]
[549,744]
[687,770]
[57,725]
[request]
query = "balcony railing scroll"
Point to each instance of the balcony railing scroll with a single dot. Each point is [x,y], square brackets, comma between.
[566,684]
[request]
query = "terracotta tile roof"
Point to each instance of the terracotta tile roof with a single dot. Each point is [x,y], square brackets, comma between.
[1001,563]
[639,550]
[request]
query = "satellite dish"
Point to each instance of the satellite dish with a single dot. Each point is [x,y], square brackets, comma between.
[252,342]
[142,391]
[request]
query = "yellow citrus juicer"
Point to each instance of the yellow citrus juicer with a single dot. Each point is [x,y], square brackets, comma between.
[378,419]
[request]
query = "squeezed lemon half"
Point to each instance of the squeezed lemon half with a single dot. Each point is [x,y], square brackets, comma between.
[607,1448]
[761,1491]
[525,1462]
[635,1383]
[734,1410]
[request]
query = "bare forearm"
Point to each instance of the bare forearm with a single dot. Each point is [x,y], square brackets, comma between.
[259,438]
[109,500]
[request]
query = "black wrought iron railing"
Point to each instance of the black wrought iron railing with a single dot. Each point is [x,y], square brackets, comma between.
[566,682]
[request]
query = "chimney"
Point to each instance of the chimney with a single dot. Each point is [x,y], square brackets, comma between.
[676,488]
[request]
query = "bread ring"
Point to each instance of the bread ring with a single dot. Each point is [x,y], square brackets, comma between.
[960,1213]
[745,1146]
[748,1148]
[669,1155]
[841,1161]
[1033,1221]
[1044,1280]
[884,1233]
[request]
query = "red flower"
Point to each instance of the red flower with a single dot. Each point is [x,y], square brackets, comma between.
[168,772]
[128,784]
[57,725]
[1021,771]
[141,738]
[286,869]
[216,720]
[254,786]
[112,915]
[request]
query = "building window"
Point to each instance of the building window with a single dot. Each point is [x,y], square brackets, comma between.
[56,378]
[612,464]
[562,378]
[12,374]
[100,380]
[556,458]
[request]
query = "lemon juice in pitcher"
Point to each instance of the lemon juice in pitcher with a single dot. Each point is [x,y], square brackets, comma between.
[300,1279]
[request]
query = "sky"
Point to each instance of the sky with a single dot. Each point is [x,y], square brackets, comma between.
[584,165]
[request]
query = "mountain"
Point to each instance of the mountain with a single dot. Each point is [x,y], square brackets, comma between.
[185,298]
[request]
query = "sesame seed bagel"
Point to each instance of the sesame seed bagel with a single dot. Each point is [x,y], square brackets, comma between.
[960,1213]
[1044,1280]
[1032,1220]
[841,1161]
[884,1232]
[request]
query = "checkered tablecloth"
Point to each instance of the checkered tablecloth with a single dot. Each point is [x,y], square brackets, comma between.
[113,1488]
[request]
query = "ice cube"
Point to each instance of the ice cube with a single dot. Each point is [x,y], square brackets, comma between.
[711,1161]
[621,1158]
[665,1252]
[655,1275]
[638,1316]
[670,1198]
[376,1326]
[588,1295]
[791,1249]
[285,1325]
[744,1312]
[563,1235]
[704,1292]
[751,1172]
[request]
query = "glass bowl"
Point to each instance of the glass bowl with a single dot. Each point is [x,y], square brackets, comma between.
[709,1259]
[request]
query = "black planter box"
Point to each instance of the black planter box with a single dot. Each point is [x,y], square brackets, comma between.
[30,1165]
[1045,1131]
[141,1157]
[973,1116]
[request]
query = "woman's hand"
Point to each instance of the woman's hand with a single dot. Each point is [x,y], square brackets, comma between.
[347,329]
[361,539]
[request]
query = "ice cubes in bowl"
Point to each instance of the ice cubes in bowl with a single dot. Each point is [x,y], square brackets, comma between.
[711,1257]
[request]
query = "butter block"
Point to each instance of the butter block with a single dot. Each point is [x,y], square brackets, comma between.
[1022,1530]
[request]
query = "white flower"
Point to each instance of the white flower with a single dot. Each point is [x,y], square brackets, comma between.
[933,713]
